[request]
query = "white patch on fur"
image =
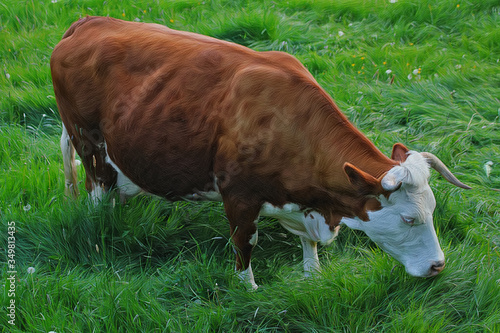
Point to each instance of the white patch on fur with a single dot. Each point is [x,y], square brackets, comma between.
[247,278]
[96,194]
[126,187]
[254,238]
[414,245]
[414,172]
[311,225]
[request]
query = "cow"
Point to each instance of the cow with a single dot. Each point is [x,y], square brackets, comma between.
[188,117]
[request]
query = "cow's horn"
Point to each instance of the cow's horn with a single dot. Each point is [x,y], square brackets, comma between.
[439,166]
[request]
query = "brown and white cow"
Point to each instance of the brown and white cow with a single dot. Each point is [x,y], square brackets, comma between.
[185,116]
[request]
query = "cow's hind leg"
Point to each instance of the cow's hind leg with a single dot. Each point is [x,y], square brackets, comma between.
[100,175]
[242,215]
[246,275]
[70,172]
[100,179]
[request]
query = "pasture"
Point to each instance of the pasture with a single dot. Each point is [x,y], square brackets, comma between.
[424,73]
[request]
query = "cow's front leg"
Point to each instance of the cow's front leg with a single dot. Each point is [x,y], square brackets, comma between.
[310,252]
[242,216]
[247,278]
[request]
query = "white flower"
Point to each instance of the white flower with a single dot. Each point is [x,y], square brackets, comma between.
[409,76]
[53,1]
[7,75]
[388,71]
[393,1]
[487,168]
[415,71]
[341,33]
[458,66]
[31,270]
[27,207]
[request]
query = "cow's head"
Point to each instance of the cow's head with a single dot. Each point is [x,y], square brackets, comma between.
[403,227]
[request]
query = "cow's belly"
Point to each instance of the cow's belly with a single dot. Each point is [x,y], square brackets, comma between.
[167,169]
[131,187]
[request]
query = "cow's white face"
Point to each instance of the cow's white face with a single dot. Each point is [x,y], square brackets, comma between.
[404,226]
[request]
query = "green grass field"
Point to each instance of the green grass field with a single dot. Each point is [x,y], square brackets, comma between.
[425,73]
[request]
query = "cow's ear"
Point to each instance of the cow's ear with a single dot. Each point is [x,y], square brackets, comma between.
[399,152]
[363,182]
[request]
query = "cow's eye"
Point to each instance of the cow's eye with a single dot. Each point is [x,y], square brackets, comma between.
[408,220]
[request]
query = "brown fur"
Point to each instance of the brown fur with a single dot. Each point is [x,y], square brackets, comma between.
[177,108]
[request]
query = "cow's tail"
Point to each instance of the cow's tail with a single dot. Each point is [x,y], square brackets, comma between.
[70,172]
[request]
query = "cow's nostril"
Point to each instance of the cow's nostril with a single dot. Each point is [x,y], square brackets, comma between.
[437,267]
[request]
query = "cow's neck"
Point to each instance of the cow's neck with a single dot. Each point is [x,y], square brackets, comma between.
[341,142]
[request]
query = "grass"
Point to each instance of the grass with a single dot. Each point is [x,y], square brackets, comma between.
[424,73]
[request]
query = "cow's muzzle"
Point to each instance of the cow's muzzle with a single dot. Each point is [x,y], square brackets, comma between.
[436,268]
